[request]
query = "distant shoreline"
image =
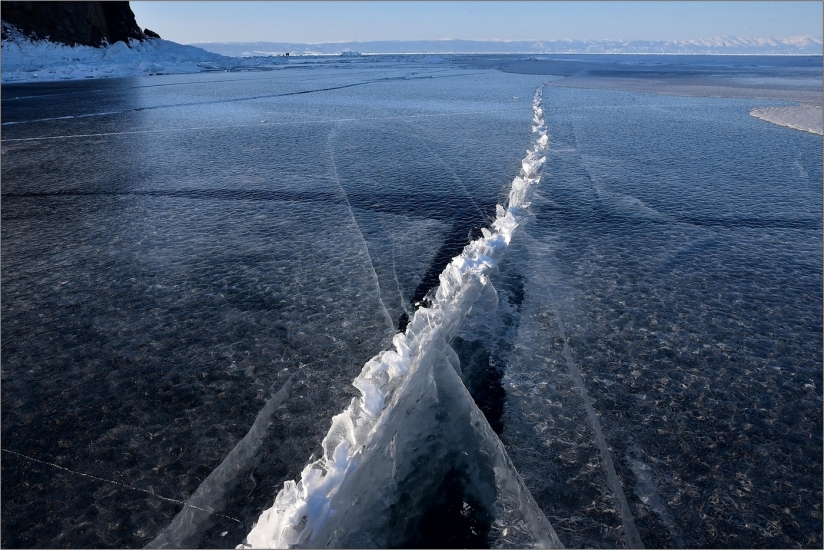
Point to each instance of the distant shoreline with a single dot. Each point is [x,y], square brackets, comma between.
[794,46]
[365,54]
[261,53]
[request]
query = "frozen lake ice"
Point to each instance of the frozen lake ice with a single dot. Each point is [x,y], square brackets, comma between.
[195,269]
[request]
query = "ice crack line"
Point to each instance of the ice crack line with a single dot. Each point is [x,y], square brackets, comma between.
[302,511]
[119,485]
[230,100]
[355,219]
[630,530]
[397,283]
[245,456]
[455,177]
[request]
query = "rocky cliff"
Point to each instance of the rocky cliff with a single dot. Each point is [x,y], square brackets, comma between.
[74,23]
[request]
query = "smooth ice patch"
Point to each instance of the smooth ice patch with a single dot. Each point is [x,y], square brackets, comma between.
[808,118]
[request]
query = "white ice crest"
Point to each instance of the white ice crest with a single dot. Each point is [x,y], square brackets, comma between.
[301,509]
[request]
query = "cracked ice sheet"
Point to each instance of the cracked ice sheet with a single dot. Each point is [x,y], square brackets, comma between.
[296,294]
[547,434]
[402,249]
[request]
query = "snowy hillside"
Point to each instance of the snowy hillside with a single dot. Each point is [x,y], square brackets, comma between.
[41,60]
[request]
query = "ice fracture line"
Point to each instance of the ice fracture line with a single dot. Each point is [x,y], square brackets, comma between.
[196,128]
[395,273]
[118,484]
[355,219]
[630,530]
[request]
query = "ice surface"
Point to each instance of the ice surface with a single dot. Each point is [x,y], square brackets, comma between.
[413,405]
[197,514]
[214,272]
[213,255]
[534,389]
[401,248]
[182,280]
[785,78]
[664,280]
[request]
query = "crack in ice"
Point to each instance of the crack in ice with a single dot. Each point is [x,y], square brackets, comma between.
[104,480]
[460,182]
[303,513]
[397,282]
[630,530]
[355,219]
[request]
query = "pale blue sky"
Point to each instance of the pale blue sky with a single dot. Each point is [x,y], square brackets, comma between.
[314,22]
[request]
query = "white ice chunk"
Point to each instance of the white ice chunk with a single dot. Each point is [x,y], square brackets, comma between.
[543,141]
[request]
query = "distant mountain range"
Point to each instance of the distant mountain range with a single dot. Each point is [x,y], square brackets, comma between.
[729,45]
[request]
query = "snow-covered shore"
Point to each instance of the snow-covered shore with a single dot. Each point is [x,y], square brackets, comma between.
[808,118]
[24,60]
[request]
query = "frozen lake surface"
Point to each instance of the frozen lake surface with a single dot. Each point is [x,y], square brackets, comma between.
[195,268]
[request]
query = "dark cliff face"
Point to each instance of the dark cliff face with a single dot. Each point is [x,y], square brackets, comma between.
[73,23]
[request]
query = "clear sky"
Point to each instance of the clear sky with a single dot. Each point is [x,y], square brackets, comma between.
[315,22]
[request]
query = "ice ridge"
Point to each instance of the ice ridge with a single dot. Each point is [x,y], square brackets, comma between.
[375,444]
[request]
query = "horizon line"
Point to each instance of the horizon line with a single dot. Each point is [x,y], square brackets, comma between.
[365,54]
[505,40]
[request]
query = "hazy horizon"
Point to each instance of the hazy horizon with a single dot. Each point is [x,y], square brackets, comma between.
[499,40]
[721,46]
